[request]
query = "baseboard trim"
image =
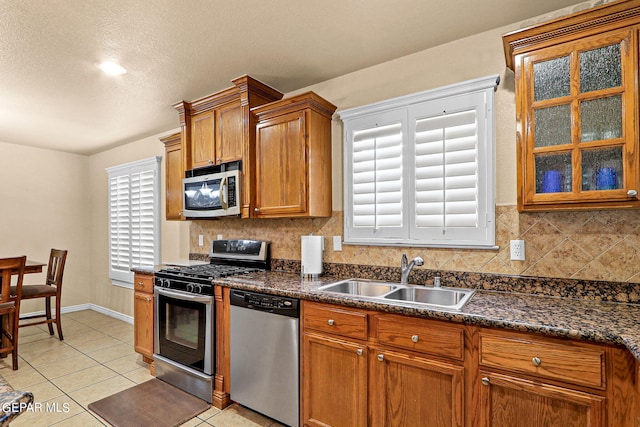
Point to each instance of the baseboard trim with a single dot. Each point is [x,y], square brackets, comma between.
[94,307]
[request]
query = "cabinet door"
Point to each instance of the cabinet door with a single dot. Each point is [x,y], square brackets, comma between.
[202,142]
[228,124]
[334,382]
[281,166]
[412,391]
[579,134]
[174,173]
[515,402]
[143,323]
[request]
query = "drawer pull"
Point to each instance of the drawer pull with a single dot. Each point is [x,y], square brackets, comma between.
[148,299]
[414,338]
[536,361]
[381,357]
[331,322]
[485,381]
[141,284]
[359,352]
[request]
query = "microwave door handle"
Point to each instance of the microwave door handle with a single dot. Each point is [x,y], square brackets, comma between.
[223,193]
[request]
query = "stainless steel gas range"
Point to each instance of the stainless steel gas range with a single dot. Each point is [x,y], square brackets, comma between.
[185,313]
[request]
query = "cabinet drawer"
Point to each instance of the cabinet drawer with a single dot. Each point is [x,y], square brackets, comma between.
[143,282]
[421,335]
[572,362]
[348,323]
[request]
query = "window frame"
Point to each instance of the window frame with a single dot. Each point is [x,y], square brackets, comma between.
[471,92]
[121,277]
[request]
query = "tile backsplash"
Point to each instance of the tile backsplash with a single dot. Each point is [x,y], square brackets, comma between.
[587,245]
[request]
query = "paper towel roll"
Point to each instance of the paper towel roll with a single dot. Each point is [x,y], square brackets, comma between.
[311,257]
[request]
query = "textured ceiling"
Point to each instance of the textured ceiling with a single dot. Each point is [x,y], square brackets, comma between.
[52,95]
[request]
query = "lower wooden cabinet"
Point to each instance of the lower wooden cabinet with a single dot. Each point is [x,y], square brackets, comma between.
[143,301]
[367,368]
[410,390]
[511,401]
[335,382]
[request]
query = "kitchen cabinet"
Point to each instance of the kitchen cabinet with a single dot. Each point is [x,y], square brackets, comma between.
[334,341]
[202,140]
[363,367]
[415,367]
[293,158]
[143,301]
[219,128]
[532,381]
[576,107]
[174,172]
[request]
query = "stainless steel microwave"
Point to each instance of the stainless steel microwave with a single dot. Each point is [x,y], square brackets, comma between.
[212,194]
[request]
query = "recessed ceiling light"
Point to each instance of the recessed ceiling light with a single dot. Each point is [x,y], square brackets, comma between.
[112,68]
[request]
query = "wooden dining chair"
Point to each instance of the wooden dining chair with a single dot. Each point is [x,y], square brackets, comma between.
[10,305]
[51,289]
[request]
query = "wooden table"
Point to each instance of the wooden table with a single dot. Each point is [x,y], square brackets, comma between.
[33,267]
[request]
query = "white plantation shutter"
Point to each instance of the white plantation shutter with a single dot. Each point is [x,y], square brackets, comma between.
[133,218]
[442,193]
[376,184]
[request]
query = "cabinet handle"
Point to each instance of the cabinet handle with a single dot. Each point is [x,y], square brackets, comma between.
[141,284]
[359,352]
[414,338]
[256,209]
[381,357]
[210,161]
[485,381]
[148,299]
[632,193]
[218,160]
[331,322]
[536,361]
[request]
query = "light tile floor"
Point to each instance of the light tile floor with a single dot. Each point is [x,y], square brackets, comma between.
[95,360]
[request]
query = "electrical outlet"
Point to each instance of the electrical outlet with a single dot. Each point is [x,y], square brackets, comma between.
[517,250]
[337,243]
[200,240]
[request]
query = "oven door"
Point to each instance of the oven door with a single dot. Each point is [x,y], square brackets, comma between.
[184,328]
[211,195]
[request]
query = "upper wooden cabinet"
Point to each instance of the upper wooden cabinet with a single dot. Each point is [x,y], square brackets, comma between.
[174,172]
[576,84]
[293,157]
[219,128]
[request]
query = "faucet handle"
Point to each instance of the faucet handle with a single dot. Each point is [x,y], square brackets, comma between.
[403,261]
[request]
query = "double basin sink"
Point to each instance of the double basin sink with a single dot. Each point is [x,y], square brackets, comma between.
[449,298]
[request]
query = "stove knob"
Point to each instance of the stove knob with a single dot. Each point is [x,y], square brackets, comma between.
[167,283]
[190,287]
[198,289]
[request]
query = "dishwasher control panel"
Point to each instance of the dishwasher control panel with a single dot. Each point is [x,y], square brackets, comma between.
[258,301]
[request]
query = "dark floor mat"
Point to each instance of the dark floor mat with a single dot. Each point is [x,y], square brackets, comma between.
[152,403]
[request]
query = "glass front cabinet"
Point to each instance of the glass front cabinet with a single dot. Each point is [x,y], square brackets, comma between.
[576,84]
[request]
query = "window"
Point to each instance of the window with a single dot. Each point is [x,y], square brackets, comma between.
[134,207]
[419,168]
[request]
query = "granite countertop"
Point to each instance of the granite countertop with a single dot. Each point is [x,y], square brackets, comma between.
[597,321]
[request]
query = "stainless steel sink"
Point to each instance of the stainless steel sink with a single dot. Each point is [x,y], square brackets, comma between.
[361,287]
[441,297]
[450,298]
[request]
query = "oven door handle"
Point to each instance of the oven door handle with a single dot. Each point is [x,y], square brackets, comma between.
[184,296]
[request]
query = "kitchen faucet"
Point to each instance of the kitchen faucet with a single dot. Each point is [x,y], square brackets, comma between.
[405,268]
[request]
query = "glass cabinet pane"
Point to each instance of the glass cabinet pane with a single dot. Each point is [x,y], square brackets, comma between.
[551,79]
[553,173]
[600,68]
[602,169]
[552,125]
[601,118]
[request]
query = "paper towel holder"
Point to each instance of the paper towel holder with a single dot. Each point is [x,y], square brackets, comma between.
[314,248]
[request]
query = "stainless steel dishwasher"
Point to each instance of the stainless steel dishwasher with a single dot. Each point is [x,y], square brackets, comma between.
[265,354]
